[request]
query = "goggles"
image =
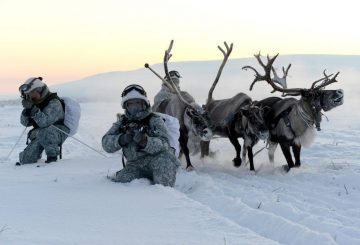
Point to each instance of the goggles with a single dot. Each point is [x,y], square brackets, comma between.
[25,88]
[131,87]
[174,74]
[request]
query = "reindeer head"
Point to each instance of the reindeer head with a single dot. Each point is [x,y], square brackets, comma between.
[316,96]
[196,120]
[321,99]
[254,121]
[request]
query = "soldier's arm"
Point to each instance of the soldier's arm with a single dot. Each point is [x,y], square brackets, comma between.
[52,113]
[110,141]
[159,141]
[25,118]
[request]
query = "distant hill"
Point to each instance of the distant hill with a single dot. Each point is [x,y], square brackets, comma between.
[197,77]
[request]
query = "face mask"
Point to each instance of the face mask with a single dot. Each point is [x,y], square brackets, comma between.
[135,106]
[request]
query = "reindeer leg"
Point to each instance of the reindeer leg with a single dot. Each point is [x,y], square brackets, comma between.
[205,148]
[285,147]
[183,143]
[233,139]
[243,155]
[296,150]
[271,151]
[251,158]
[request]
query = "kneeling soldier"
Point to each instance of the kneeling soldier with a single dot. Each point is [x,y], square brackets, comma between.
[143,137]
[42,110]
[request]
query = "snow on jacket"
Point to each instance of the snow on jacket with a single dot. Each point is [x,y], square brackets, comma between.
[157,139]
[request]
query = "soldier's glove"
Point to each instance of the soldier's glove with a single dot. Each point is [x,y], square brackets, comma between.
[34,110]
[125,139]
[27,104]
[140,138]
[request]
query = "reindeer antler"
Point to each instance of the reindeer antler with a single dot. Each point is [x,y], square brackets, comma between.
[327,79]
[280,80]
[267,77]
[175,89]
[226,56]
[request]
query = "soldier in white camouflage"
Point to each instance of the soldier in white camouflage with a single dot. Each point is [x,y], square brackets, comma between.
[142,136]
[42,109]
[165,93]
[162,98]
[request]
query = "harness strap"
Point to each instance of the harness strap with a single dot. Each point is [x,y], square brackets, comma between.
[61,151]
[285,116]
[123,160]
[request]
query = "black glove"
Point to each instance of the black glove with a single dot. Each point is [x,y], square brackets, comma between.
[125,139]
[27,104]
[140,138]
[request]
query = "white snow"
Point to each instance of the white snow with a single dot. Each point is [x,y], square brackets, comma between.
[72,201]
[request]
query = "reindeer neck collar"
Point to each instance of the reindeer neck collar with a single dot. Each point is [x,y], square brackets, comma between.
[309,114]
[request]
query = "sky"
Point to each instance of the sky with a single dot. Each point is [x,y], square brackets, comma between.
[68,40]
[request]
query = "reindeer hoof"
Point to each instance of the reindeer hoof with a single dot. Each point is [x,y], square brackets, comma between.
[297,166]
[190,168]
[237,162]
[286,168]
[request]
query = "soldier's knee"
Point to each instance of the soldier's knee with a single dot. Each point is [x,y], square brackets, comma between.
[165,178]
[120,179]
[168,180]
[123,176]
[28,156]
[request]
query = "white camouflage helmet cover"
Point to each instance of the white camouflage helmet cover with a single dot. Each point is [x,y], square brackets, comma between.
[31,84]
[134,94]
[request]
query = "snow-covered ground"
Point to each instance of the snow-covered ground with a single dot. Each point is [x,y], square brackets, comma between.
[72,201]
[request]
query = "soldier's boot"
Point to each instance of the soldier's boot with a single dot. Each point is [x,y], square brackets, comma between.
[51,159]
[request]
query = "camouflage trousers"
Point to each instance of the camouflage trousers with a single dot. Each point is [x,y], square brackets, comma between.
[160,169]
[48,139]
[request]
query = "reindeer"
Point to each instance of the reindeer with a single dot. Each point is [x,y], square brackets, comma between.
[291,121]
[192,118]
[235,117]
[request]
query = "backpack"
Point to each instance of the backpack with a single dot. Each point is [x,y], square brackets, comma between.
[72,114]
[173,130]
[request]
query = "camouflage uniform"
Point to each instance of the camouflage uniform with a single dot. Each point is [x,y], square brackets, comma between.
[162,95]
[43,136]
[154,161]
